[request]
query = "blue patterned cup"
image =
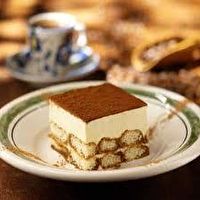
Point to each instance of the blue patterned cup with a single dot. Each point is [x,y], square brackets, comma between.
[53,38]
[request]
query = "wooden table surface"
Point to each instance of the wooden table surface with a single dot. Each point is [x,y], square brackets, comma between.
[183,183]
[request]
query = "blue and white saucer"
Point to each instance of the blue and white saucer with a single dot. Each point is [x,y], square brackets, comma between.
[81,63]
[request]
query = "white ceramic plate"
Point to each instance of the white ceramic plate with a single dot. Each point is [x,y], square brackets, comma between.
[24,125]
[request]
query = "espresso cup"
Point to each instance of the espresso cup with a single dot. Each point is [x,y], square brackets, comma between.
[52,38]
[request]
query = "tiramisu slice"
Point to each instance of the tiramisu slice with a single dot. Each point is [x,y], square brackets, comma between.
[98,127]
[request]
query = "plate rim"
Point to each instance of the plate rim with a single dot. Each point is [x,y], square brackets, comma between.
[109,175]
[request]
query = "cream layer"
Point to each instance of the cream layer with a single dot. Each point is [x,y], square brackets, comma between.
[111,126]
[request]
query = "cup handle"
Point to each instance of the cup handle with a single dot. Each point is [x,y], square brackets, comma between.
[81,40]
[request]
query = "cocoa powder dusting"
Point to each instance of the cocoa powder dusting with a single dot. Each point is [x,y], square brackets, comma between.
[18,150]
[97,101]
[178,108]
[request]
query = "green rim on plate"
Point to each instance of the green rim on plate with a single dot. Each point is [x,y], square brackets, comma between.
[191,116]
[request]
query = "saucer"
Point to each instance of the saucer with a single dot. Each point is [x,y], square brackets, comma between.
[81,64]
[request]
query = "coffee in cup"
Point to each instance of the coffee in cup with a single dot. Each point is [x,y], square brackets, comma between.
[44,23]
